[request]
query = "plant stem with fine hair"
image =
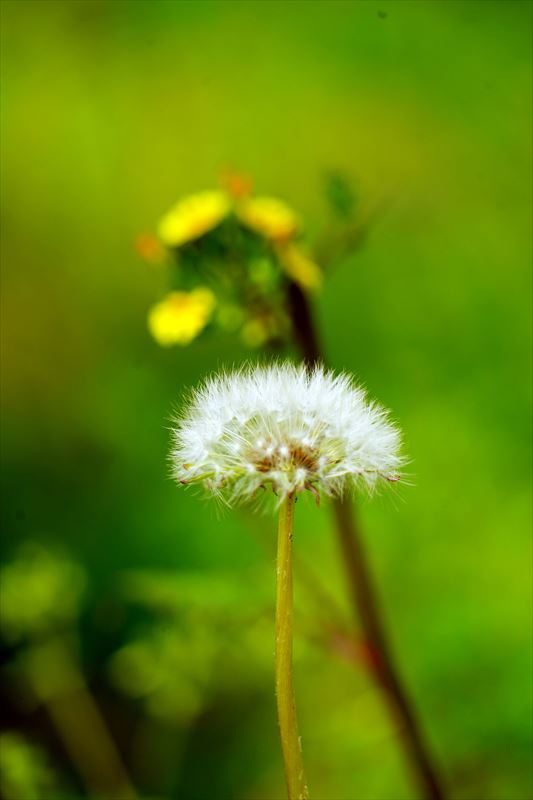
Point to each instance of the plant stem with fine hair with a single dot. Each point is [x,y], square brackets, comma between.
[290,741]
[363,592]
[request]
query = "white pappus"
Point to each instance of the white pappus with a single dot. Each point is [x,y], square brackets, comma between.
[287,427]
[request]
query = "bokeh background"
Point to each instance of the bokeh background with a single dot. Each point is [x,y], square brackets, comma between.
[110,112]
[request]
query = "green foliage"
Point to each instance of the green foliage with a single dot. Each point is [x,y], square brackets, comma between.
[111,112]
[24,771]
[340,195]
[41,593]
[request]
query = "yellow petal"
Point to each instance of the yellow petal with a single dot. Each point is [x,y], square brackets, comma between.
[193,216]
[181,316]
[269,217]
[300,267]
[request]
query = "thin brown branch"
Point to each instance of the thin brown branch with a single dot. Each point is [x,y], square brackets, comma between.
[363,594]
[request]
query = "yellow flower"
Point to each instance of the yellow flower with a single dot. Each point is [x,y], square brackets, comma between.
[299,266]
[268,216]
[181,316]
[193,216]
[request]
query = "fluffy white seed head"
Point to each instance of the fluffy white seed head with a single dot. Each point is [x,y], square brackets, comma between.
[285,427]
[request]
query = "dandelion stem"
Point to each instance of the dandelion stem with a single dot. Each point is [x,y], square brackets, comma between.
[290,742]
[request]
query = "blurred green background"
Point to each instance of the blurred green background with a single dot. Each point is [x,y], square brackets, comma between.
[110,112]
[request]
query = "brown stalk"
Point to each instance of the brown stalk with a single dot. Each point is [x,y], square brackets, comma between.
[363,593]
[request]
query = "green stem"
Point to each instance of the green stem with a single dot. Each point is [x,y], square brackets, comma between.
[288,726]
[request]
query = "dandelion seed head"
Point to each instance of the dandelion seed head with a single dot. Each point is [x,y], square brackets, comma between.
[286,427]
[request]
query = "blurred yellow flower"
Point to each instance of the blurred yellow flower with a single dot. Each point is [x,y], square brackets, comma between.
[299,266]
[193,216]
[181,316]
[269,217]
